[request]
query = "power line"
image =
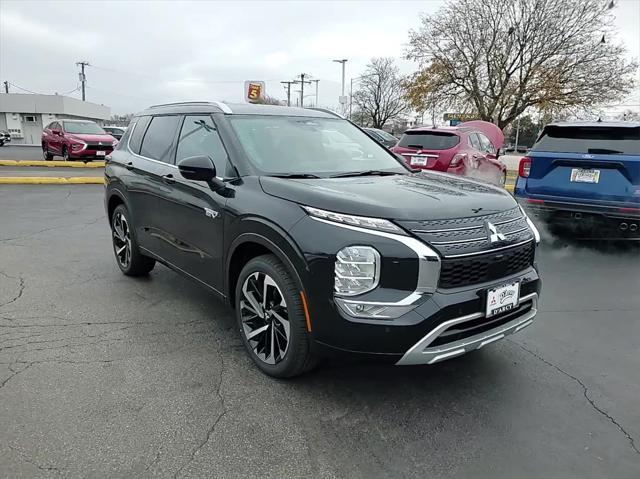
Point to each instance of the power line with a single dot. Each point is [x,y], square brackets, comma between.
[23,89]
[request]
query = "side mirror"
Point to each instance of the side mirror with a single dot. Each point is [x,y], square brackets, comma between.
[197,168]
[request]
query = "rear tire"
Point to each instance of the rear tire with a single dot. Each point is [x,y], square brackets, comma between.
[130,261]
[271,318]
[45,153]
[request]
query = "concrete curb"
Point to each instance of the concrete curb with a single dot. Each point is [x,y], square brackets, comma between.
[53,164]
[51,180]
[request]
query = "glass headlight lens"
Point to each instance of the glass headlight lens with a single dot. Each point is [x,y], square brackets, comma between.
[361,221]
[357,270]
[115,143]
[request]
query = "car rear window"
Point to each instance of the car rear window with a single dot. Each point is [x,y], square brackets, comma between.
[429,140]
[589,139]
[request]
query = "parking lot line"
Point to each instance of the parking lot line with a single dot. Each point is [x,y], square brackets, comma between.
[53,164]
[51,180]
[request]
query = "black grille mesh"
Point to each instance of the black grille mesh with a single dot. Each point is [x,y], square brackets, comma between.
[456,272]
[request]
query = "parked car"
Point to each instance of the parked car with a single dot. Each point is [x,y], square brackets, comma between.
[318,252]
[468,149]
[387,139]
[76,140]
[115,131]
[587,173]
[5,137]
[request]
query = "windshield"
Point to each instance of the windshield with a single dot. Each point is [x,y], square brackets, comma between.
[429,140]
[385,135]
[593,140]
[318,146]
[80,127]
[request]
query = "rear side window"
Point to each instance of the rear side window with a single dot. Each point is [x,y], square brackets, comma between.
[589,139]
[160,137]
[429,140]
[474,141]
[486,144]
[138,132]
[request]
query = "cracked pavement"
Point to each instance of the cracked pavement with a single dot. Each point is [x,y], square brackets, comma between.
[107,376]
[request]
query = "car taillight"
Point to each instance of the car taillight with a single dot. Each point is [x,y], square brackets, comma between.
[525,167]
[457,159]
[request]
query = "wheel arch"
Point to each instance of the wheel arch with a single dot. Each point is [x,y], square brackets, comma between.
[249,244]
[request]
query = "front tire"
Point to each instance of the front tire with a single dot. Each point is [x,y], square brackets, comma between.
[130,261]
[503,179]
[65,154]
[45,153]
[271,318]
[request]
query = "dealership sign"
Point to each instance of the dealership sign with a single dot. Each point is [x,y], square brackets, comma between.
[253,91]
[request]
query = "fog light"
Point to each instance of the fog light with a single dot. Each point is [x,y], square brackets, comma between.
[373,310]
[357,270]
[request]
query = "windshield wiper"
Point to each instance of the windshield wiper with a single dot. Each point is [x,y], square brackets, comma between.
[294,175]
[604,151]
[366,173]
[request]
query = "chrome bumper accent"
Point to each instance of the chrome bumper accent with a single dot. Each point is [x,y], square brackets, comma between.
[421,353]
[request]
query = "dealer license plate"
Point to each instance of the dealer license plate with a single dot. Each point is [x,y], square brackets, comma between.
[419,160]
[581,175]
[503,298]
[101,153]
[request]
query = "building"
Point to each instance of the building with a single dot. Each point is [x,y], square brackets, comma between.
[25,115]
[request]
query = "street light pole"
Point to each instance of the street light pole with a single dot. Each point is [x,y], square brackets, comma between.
[343,61]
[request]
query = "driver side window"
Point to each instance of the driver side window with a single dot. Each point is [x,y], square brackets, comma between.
[199,137]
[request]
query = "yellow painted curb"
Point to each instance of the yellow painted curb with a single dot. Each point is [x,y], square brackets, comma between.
[51,180]
[53,164]
[509,188]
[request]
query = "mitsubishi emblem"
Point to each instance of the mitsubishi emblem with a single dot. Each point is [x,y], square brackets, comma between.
[492,233]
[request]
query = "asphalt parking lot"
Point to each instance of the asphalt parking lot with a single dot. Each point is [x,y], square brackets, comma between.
[11,152]
[107,376]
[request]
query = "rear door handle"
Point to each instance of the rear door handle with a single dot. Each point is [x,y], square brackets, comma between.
[129,166]
[169,179]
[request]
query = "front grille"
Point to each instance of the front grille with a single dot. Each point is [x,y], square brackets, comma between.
[465,271]
[104,147]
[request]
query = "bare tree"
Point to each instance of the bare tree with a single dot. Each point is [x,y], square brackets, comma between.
[381,96]
[269,100]
[501,57]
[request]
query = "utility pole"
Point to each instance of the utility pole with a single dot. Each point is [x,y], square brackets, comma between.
[82,76]
[288,87]
[6,86]
[316,82]
[302,82]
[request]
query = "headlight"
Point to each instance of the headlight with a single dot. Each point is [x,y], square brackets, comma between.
[357,270]
[361,221]
[78,145]
[115,143]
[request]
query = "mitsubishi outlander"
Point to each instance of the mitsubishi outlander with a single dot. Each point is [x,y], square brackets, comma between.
[321,239]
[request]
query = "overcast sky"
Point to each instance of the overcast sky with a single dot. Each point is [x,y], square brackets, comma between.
[153,52]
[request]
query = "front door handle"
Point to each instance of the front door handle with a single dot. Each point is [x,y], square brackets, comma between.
[169,179]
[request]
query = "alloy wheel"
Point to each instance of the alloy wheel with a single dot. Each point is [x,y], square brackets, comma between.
[122,239]
[265,320]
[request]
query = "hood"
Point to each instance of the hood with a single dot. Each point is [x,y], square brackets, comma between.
[490,130]
[424,196]
[108,139]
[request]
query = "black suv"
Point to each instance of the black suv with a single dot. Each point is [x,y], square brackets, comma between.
[320,238]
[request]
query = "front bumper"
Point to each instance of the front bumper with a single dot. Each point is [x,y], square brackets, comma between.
[423,353]
[90,154]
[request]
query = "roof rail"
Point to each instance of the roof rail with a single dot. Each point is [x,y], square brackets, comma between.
[225,108]
[326,110]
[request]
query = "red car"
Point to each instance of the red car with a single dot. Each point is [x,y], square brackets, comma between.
[469,149]
[76,139]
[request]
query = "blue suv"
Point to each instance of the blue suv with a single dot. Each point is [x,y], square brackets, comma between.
[585,173]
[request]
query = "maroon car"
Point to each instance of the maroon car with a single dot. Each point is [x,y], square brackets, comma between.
[76,139]
[469,149]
